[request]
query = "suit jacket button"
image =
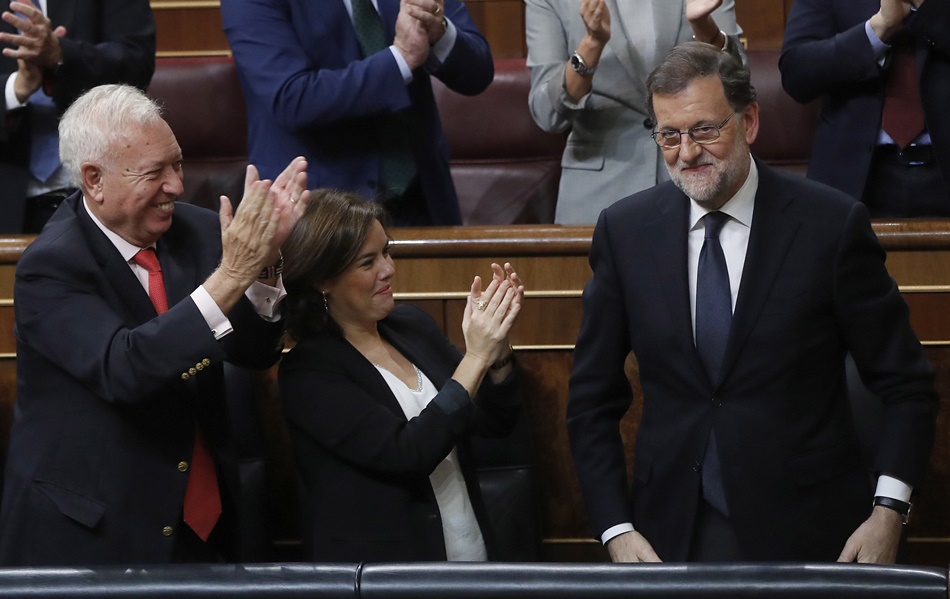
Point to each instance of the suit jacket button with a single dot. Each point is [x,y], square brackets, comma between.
[206,362]
[696,466]
[647,124]
[184,376]
[199,366]
[183,466]
[167,531]
[717,402]
[192,371]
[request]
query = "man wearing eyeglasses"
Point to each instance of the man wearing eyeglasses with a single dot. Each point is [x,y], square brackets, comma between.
[739,290]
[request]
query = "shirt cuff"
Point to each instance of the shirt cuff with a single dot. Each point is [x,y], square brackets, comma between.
[10,93]
[266,299]
[878,47]
[616,531]
[888,486]
[442,48]
[403,65]
[217,321]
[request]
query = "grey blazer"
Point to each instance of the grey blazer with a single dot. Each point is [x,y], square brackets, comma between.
[609,153]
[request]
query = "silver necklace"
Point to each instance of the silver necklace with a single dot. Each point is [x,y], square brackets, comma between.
[418,388]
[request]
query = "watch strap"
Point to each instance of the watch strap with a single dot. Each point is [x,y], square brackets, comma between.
[901,507]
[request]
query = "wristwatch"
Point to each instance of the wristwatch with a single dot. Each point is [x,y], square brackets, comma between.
[580,67]
[273,270]
[901,507]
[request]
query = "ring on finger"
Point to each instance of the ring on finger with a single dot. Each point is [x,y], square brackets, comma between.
[481,305]
[437,10]
[293,200]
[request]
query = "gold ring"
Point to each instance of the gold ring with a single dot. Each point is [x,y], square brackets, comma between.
[293,200]
[481,305]
[438,9]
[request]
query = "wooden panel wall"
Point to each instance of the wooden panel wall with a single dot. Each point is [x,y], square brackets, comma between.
[193,27]
[435,268]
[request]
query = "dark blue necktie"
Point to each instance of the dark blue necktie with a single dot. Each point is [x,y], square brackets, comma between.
[713,321]
[397,166]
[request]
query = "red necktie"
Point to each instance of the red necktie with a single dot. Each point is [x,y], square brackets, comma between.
[202,500]
[903,115]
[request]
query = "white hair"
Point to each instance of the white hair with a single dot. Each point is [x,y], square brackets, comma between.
[96,119]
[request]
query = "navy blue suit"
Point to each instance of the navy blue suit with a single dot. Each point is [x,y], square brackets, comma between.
[814,287]
[106,409]
[310,92]
[826,54]
[107,41]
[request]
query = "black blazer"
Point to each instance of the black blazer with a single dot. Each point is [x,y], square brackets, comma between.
[814,287]
[364,467]
[107,41]
[826,54]
[104,414]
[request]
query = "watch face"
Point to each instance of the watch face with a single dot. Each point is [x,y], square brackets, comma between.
[577,63]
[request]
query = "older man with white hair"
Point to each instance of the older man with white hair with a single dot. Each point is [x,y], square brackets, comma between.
[127,305]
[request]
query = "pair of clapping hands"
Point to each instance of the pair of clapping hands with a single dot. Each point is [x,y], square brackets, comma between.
[491,312]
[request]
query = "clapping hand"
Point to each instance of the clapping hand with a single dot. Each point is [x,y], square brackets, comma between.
[490,313]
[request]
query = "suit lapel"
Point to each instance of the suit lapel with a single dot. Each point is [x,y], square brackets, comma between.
[634,22]
[655,24]
[388,11]
[178,270]
[416,352]
[769,241]
[61,12]
[117,272]
[668,17]
[670,259]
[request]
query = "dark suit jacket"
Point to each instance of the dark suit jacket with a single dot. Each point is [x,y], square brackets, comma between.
[107,41]
[364,467]
[814,287]
[826,54]
[103,413]
[311,93]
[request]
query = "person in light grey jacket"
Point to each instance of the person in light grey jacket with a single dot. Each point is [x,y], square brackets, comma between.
[589,60]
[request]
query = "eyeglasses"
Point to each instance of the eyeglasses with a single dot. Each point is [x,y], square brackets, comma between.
[704,134]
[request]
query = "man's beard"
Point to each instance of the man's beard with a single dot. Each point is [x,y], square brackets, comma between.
[710,190]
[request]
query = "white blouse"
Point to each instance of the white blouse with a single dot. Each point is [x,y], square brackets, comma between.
[460,530]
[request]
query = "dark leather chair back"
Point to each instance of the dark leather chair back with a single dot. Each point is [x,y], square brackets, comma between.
[786,128]
[205,108]
[506,170]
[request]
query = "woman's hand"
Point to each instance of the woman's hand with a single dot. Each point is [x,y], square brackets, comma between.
[490,313]
[699,15]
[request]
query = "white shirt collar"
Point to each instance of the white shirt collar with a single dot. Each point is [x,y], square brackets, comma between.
[740,206]
[126,249]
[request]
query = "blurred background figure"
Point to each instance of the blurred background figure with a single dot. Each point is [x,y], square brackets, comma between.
[382,408]
[589,61]
[53,50]
[882,71]
[347,85]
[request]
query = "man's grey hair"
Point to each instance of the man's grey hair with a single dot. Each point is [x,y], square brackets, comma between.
[99,117]
[697,60]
